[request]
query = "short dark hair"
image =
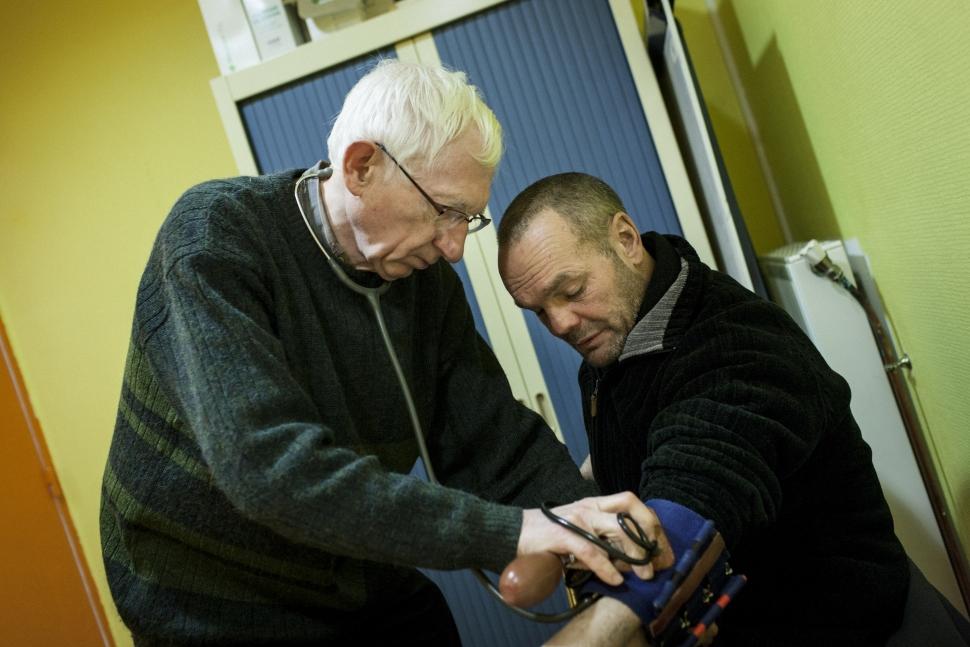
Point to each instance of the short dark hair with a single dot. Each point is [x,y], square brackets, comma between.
[585,202]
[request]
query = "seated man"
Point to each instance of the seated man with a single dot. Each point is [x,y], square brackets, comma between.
[698,392]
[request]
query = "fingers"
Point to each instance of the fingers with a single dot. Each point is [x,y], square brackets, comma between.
[539,534]
[586,515]
[605,525]
[648,521]
[593,558]
[598,516]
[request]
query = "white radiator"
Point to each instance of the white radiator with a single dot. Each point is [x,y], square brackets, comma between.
[837,324]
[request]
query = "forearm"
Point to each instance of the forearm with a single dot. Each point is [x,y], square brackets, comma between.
[349,505]
[606,623]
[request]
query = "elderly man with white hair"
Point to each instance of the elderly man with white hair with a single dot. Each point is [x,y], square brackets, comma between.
[257,487]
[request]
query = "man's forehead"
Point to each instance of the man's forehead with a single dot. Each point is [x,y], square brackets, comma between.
[545,233]
[467,197]
[541,261]
[464,186]
[546,287]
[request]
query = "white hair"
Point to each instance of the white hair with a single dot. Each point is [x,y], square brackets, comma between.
[415,111]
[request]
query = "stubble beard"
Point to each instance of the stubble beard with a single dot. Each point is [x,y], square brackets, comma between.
[629,288]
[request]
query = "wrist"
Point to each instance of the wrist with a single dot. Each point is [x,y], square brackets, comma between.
[526,543]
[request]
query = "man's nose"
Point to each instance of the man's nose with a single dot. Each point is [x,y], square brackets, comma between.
[451,242]
[561,321]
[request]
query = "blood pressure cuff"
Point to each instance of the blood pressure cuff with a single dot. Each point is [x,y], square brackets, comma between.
[679,603]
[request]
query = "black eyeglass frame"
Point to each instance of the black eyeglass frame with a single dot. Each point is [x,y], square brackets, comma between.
[475,222]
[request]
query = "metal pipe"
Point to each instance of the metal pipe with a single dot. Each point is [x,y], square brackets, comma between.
[892,362]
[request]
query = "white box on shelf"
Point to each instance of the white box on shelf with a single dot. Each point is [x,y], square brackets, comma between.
[324,24]
[317,8]
[276,30]
[232,40]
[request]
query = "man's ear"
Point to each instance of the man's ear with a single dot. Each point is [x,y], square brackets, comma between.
[625,238]
[360,166]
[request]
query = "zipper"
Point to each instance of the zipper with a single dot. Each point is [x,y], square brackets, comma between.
[592,399]
[602,373]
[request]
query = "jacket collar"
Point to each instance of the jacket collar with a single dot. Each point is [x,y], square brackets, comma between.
[661,323]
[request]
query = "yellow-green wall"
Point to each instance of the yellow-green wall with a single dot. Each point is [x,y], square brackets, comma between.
[734,139]
[105,118]
[862,110]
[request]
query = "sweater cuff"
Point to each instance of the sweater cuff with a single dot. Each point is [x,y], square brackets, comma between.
[494,541]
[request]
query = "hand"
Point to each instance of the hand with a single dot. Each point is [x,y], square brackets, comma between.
[596,515]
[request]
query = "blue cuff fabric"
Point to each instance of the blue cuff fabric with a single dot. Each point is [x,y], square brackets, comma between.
[683,526]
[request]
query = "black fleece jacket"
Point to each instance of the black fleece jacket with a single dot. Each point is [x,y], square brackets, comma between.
[721,403]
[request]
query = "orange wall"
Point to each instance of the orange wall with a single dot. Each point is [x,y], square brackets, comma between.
[44,599]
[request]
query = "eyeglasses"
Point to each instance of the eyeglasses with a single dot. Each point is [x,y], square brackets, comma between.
[449,216]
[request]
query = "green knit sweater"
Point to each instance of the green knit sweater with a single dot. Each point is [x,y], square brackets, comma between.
[256,487]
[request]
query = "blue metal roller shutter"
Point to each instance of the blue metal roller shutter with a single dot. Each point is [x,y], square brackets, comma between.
[556,76]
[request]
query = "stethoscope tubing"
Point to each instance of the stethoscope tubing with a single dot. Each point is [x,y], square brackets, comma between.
[373,295]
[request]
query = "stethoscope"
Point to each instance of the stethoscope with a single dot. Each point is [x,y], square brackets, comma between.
[322,172]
